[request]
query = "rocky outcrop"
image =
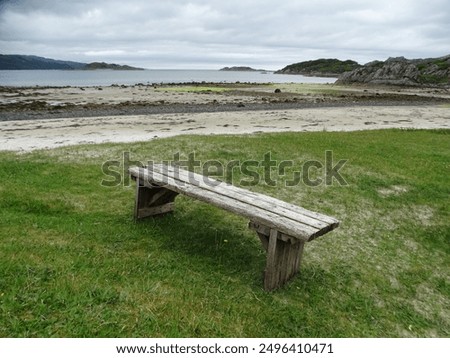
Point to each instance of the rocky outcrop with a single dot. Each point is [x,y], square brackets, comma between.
[401,72]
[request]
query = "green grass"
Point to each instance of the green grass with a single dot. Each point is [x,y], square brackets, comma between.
[195,89]
[73,263]
[443,64]
[432,79]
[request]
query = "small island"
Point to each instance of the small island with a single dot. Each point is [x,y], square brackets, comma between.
[110,66]
[241,69]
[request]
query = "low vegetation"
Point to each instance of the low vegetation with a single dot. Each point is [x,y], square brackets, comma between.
[75,264]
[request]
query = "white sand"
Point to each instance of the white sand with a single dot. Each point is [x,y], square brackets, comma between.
[27,135]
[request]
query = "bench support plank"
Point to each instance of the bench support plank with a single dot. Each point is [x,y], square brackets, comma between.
[153,201]
[283,256]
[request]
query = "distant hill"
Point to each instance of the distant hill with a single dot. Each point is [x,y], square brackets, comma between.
[324,67]
[25,62]
[239,68]
[401,71]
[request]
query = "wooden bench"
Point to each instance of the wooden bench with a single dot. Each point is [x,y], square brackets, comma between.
[283,228]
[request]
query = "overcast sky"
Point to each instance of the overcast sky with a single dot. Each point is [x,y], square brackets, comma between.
[211,34]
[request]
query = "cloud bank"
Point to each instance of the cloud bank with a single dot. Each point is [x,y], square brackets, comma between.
[213,34]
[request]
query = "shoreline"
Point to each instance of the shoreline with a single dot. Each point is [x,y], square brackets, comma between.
[39,118]
[25,103]
[29,135]
[200,108]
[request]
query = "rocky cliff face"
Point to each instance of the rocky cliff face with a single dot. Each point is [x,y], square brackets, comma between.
[402,72]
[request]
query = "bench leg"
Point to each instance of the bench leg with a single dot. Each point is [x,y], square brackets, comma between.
[153,201]
[283,256]
[283,261]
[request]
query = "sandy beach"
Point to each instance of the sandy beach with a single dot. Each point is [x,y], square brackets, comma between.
[38,118]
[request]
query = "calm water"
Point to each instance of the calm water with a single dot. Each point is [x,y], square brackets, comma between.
[109,77]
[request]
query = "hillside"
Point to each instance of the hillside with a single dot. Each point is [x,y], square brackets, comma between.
[401,71]
[25,62]
[324,67]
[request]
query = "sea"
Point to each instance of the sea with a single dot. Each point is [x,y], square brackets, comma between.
[146,77]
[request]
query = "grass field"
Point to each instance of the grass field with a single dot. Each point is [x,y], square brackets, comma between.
[73,263]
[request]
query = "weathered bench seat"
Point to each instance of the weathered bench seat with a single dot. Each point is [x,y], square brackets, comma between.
[283,228]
